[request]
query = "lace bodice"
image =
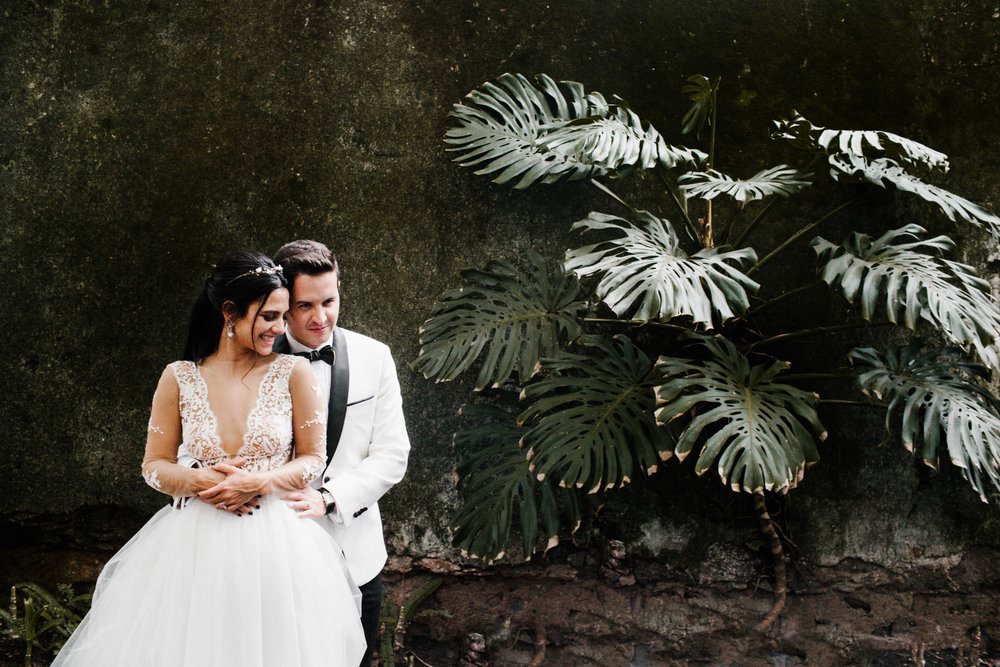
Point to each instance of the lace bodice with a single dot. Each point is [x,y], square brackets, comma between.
[267,441]
[182,414]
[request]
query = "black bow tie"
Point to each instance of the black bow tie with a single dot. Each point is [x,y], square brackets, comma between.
[324,353]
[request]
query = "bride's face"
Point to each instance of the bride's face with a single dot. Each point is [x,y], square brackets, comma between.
[264,321]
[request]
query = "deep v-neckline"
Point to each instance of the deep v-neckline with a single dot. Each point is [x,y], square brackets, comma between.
[216,436]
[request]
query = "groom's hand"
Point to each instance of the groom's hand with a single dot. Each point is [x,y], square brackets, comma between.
[308,502]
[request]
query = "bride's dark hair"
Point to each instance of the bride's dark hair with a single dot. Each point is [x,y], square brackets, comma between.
[240,278]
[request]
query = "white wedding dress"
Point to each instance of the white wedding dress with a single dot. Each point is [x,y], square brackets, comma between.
[199,586]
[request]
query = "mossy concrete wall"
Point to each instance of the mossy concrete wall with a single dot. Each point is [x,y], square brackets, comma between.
[141,140]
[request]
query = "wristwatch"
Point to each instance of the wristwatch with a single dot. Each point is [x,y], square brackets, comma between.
[331,504]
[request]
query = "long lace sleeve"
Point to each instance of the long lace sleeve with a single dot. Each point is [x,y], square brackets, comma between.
[163,437]
[309,426]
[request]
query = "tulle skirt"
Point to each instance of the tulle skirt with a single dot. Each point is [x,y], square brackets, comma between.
[198,586]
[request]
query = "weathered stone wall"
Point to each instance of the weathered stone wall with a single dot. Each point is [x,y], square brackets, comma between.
[141,140]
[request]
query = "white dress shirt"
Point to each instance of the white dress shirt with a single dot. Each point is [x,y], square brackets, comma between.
[321,370]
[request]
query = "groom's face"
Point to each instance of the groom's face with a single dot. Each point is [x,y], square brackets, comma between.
[315,305]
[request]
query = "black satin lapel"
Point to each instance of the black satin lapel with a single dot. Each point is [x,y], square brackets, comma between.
[281,345]
[340,379]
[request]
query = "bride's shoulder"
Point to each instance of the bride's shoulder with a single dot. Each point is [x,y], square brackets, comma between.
[294,369]
[287,371]
[287,364]
[178,374]
[177,365]
[179,370]
[174,374]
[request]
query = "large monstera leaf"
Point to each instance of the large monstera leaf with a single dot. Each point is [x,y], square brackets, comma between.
[935,394]
[883,158]
[882,171]
[510,317]
[758,432]
[781,180]
[864,144]
[542,132]
[591,419]
[914,283]
[498,489]
[644,269]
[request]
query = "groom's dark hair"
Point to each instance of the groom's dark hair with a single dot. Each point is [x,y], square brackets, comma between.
[309,257]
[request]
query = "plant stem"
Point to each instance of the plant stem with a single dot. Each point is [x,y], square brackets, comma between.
[540,642]
[756,310]
[792,377]
[606,190]
[707,240]
[840,401]
[794,237]
[809,332]
[691,227]
[777,558]
[715,115]
[706,229]
[636,323]
[753,225]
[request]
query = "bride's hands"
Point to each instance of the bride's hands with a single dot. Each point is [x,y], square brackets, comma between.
[236,490]
[206,478]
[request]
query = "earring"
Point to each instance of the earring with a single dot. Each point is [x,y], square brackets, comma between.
[231,327]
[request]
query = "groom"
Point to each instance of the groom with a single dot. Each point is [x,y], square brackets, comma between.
[367,445]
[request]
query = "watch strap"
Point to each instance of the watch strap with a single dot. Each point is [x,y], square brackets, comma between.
[331,504]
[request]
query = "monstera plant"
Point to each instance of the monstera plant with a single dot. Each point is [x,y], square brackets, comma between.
[583,406]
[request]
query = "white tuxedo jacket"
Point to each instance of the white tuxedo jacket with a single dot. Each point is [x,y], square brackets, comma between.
[370,458]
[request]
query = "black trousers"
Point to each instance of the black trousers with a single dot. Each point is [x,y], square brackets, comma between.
[371,611]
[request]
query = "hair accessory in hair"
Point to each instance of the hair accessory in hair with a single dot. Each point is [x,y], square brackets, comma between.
[259,271]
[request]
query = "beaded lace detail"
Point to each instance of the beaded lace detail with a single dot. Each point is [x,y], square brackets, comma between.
[267,441]
[153,479]
[311,471]
[319,420]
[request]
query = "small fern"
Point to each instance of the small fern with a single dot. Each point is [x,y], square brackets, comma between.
[44,620]
[394,624]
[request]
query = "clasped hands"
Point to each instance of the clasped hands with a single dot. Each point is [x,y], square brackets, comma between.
[231,489]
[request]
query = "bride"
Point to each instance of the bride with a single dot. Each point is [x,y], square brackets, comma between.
[232,577]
